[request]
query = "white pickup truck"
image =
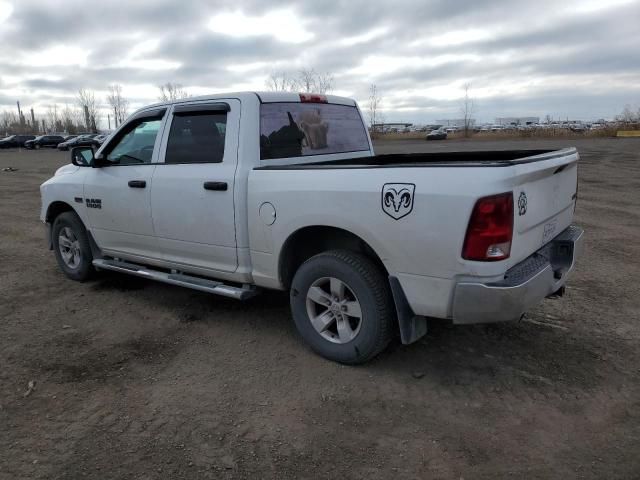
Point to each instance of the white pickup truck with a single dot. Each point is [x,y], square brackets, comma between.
[234,193]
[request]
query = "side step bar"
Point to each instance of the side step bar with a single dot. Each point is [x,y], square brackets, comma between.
[196,283]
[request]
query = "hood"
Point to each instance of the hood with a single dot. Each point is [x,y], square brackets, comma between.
[66,170]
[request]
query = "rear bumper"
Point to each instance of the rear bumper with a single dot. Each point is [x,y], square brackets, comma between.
[524,286]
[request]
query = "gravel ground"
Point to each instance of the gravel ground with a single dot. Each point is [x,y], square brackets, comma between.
[134,379]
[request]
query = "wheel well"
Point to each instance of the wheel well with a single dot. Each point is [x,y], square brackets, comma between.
[309,241]
[55,209]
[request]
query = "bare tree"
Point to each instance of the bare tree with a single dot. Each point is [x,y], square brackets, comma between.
[8,121]
[306,80]
[53,122]
[467,109]
[172,91]
[87,102]
[375,101]
[71,119]
[280,81]
[324,82]
[118,103]
[309,81]
[628,115]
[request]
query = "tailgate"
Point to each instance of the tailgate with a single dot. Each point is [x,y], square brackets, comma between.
[544,195]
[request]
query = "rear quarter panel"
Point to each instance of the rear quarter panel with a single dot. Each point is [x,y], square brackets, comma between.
[425,242]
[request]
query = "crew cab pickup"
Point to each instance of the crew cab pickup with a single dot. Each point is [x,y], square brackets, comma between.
[234,193]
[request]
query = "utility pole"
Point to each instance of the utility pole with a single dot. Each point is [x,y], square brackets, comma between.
[21,118]
[34,125]
[44,128]
[86,118]
[115,117]
[109,121]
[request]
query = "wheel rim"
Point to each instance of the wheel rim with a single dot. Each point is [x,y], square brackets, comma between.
[334,310]
[69,247]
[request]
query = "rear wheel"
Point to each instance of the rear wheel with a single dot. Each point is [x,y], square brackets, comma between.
[342,306]
[71,247]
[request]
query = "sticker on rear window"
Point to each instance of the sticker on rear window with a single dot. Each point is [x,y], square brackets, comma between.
[303,129]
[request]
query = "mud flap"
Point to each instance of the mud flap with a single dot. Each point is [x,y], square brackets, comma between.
[412,326]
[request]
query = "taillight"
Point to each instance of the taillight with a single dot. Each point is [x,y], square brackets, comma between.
[490,229]
[312,98]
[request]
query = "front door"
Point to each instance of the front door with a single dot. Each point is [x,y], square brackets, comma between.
[193,187]
[118,194]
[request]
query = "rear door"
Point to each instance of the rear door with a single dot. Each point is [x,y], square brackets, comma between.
[193,186]
[544,200]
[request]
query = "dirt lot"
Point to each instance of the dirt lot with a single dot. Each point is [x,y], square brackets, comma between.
[142,380]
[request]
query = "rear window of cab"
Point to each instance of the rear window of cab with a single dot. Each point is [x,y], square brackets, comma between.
[304,129]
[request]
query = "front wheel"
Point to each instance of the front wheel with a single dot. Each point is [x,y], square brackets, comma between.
[342,306]
[71,247]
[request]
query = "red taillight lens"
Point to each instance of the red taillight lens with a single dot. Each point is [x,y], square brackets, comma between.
[312,98]
[490,229]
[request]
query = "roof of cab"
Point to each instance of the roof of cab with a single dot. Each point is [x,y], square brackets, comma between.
[263,97]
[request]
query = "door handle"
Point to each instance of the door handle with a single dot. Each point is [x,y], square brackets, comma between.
[137,183]
[219,186]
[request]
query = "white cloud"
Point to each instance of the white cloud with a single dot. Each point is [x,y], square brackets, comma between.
[591,6]
[58,55]
[247,67]
[365,37]
[374,65]
[284,25]
[6,9]
[459,37]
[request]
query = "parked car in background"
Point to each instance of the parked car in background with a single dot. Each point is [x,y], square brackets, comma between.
[98,140]
[438,134]
[85,140]
[43,141]
[15,141]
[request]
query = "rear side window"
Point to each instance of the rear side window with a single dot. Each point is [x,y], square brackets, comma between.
[197,137]
[304,129]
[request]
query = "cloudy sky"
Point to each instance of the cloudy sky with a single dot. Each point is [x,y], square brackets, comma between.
[576,59]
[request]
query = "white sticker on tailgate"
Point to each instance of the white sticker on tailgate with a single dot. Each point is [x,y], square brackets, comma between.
[549,230]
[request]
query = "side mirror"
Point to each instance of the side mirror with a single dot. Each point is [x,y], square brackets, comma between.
[82,156]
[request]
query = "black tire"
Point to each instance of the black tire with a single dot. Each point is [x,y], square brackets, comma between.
[371,289]
[84,270]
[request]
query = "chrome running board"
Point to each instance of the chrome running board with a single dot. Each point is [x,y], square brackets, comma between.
[181,279]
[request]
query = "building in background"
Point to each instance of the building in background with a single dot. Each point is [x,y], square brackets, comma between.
[508,121]
[456,122]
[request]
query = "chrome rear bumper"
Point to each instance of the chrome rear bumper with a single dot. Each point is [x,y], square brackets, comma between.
[524,286]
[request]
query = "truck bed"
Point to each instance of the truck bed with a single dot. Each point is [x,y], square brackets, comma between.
[498,158]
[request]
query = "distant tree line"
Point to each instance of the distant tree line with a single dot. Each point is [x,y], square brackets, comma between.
[84,115]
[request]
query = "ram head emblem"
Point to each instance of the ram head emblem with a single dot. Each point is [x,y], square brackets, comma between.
[397,199]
